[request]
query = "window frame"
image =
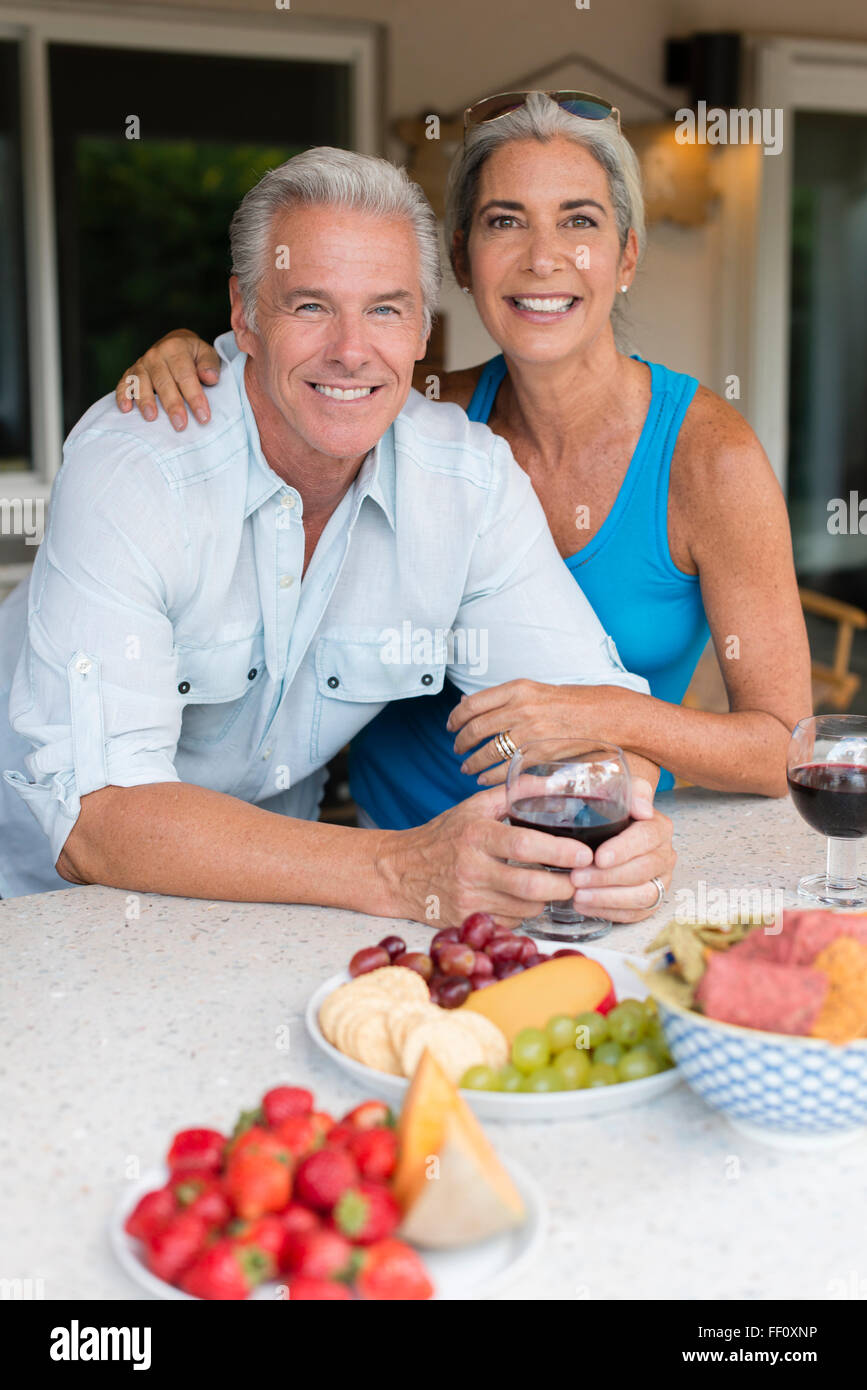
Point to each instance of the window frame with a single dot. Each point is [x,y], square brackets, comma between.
[35,27]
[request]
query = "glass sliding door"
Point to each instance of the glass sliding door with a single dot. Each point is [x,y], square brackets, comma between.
[827,455]
[14,407]
[152,153]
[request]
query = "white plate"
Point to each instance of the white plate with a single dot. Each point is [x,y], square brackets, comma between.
[476,1271]
[511,1105]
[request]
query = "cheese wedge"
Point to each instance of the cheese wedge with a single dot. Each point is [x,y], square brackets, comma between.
[567,985]
[451,1185]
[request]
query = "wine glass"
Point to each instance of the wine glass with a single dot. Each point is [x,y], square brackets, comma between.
[580,788]
[827,774]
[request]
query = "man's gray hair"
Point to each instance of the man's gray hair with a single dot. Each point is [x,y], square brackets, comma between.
[328,177]
[542,119]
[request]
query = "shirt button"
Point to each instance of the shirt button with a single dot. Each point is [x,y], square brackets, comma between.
[83,665]
[427,679]
[333,682]
[286,581]
[287,501]
[251,675]
[266,755]
[184,688]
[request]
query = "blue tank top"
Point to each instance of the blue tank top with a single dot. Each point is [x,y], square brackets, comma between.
[403,770]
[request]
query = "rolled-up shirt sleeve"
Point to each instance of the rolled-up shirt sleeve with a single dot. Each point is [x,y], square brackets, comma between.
[95,687]
[522,614]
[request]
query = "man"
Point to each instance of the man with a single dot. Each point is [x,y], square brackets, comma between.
[205,620]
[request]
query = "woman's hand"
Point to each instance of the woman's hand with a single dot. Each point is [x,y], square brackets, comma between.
[174,369]
[529,710]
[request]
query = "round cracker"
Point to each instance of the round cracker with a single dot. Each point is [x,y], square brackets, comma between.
[347,1020]
[368,1041]
[492,1039]
[402,1017]
[398,982]
[453,1047]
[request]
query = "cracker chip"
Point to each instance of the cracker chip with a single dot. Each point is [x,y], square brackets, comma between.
[395,981]
[455,1048]
[843,1015]
[492,1038]
[368,1041]
[403,1016]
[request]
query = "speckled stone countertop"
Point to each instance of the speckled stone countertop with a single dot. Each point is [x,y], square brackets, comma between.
[119,1029]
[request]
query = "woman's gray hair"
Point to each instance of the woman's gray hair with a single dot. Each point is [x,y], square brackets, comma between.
[327,177]
[540,118]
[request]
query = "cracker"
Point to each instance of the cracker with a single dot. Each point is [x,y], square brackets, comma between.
[369,1042]
[455,1048]
[397,982]
[403,1017]
[492,1039]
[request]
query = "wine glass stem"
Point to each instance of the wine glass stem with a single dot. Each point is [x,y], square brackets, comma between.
[842,864]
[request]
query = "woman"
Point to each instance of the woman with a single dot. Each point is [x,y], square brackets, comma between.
[658,494]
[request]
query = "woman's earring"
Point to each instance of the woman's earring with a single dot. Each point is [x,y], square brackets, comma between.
[466,289]
[623,289]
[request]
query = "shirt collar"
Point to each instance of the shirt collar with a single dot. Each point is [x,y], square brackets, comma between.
[376,477]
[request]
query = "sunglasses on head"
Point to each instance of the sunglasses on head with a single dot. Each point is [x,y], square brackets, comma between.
[585,104]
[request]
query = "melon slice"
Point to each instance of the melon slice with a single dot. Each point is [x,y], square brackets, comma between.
[451,1185]
[567,985]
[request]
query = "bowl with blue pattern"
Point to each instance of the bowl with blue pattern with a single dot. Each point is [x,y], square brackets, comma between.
[788,1091]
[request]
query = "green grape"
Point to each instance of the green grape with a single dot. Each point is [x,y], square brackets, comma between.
[608,1053]
[602,1075]
[573,1066]
[659,1049]
[653,1031]
[649,1007]
[530,1050]
[543,1079]
[561,1032]
[480,1079]
[637,1063]
[592,1029]
[510,1078]
[627,1022]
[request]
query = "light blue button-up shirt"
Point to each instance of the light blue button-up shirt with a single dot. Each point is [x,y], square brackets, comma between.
[166,634]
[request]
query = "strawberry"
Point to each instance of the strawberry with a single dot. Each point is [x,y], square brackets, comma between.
[197,1148]
[299,1134]
[324,1176]
[322,1122]
[321,1254]
[302,1289]
[367,1213]
[202,1194]
[225,1271]
[151,1213]
[258,1176]
[392,1270]
[267,1235]
[285,1101]
[297,1218]
[339,1135]
[175,1245]
[375,1152]
[371,1114]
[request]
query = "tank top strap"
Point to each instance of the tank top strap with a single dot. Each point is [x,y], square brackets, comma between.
[487,386]
[672,395]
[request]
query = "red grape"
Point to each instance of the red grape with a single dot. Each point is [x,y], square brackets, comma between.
[505,948]
[478,929]
[482,981]
[483,966]
[452,992]
[528,949]
[504,968]
[394,945]
[535,959]
[566,951]
[447,934]
[369,958]
[417,961]
[454,958]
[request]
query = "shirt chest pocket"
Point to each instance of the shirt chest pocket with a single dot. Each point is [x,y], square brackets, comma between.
[354,673]
[216,684]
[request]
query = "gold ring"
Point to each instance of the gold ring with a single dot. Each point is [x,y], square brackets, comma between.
[505,746]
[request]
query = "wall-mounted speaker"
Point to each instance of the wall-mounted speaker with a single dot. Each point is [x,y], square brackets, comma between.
[708,65]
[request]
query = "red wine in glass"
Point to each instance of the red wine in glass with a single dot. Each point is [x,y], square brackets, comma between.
[832,798]
[590,819]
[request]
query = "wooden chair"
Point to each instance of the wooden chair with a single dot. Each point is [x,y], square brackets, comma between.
[835,685]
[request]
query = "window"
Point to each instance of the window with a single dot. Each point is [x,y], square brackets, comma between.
[106,241]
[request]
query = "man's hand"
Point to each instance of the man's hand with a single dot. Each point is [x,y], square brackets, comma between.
[457,864]
[174,369]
